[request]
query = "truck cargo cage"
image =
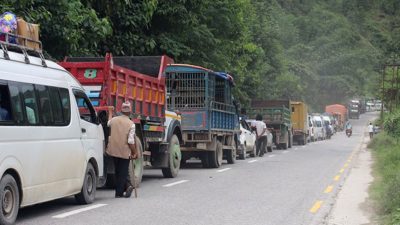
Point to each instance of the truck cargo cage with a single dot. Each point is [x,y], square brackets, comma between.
[17,43]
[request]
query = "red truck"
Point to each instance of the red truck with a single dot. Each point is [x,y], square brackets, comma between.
[140,80]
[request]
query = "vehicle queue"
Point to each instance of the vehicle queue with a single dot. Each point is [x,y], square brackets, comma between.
[53,117]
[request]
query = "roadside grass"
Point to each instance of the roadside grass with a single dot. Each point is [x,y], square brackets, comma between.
[385,190]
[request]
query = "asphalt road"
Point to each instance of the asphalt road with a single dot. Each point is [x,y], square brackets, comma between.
[285,187]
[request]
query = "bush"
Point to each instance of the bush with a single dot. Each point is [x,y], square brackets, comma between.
[386,187]
[392,124]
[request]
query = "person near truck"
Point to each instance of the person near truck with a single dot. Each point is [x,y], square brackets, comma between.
[121,146]
[371,130]
[261,135]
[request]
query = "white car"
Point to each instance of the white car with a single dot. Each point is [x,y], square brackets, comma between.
[247,141]
[319,131]
[269,135]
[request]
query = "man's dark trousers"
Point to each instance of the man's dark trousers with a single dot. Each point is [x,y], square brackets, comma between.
[121,175]
[261,145]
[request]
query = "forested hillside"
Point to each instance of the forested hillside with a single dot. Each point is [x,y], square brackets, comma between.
[320,51]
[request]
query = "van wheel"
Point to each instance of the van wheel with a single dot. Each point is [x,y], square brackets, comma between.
[136,166]
[9,199]
[175,156]
[88,191]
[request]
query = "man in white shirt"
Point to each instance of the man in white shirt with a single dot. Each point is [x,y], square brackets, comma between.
[261,134]
[371,130]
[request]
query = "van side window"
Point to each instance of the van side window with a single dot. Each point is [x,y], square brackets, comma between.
[66,105]
[31,109]
[56,107]
[46,114]
[16,103]
[5,106]
[86,110]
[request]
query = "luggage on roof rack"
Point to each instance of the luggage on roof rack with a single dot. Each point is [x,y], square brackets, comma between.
[23,45]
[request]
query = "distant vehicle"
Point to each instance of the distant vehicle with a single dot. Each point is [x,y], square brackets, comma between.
[277,116]
[209,114]
[311,129]
[319,131]
[270,136]
[247,141]
[299,122]
[339,112]
[354,109]
[328,126]
[51,141]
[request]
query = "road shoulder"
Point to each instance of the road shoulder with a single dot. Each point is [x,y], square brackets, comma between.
[352,205]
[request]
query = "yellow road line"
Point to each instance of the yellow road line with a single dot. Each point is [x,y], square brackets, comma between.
[346,165]
[341,170]
[316,206]
[337,177]
[328,189]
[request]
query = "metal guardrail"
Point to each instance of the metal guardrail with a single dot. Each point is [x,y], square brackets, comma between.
[21,44]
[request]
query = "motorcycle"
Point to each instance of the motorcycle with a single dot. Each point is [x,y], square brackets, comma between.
[349,132]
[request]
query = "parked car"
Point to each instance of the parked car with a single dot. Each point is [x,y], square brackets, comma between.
[270,137]
[247,141]
[311,129]
[319,131]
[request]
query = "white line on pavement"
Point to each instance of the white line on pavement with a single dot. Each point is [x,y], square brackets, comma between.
[303,146]
[251,161]
[223,170]
[73,212]
[296,148]
[284,152]
[175,183]
[271,156]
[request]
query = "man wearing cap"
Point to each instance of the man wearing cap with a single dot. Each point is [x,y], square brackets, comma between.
[121,146]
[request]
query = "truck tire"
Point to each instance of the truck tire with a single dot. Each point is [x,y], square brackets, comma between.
[304,141]
[88,191]
[174,160]
[9,194]
[215,157]
[204,160]
[136,166]
[253,153]
[231,156]
[285,145]
[269,148]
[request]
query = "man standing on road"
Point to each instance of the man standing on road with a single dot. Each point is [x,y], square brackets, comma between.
[121,146]
[261,134]
[371,130]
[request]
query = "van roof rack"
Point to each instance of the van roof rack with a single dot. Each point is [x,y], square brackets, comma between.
[17,43]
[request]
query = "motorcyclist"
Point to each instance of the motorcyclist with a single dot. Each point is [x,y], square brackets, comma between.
[349,128]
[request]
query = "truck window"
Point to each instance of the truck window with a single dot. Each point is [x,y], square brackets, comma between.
[5,106]
[86,110]
[31,109]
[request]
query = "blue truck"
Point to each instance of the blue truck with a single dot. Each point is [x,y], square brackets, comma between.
[209,116]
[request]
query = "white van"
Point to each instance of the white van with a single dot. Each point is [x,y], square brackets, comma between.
[51,145]
[318,128]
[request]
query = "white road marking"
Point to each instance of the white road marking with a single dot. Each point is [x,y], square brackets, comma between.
[296,148]
[73,212]
[270,156]
[284,152]
[303,146]
[223,170]
[175,183]
[251,161]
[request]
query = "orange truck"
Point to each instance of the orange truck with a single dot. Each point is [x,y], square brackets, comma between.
[339,112]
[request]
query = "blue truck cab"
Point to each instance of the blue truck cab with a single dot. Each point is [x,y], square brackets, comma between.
[209,116]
